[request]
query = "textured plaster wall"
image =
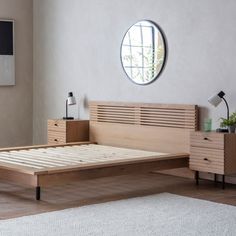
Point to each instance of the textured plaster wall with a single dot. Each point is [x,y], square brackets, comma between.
[16,102]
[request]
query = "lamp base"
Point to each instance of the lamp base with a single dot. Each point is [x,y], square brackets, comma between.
[68,118]
[219,130]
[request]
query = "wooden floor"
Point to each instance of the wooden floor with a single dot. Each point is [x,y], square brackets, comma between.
[18,200]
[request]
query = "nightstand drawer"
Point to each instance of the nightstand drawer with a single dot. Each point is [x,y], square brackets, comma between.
[66,131]
[207,160]
[208,140]
[56,137]
[57,125]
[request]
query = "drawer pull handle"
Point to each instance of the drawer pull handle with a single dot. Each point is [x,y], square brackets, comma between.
[206,138]
[55,140]
[56,124]
[205,159]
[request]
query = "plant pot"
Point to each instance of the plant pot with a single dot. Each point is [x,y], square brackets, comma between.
[231,129]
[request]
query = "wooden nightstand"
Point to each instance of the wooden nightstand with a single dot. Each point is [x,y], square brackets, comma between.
[214,153]
[65,131]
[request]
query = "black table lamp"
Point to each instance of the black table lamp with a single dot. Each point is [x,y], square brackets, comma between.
[215,100]
[69,101]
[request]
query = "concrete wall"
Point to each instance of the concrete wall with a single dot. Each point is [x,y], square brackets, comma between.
[16,102]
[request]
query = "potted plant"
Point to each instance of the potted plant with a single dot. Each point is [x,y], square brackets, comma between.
[229,123]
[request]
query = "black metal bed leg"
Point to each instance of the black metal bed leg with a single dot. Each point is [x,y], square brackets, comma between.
[38,191]
[223,181]
[215,178]
[197,177]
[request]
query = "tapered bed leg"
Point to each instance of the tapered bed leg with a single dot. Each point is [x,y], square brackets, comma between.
[38,193]
[197,177]
[215,178]
[223,182]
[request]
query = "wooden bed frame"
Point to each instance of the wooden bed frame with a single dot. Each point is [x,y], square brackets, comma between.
[151,127]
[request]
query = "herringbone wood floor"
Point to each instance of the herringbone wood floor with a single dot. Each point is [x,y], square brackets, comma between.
[18,200]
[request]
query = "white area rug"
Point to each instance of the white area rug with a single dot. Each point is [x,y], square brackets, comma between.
[161,214]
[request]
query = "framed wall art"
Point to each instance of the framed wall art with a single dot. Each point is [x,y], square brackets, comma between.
[7,53]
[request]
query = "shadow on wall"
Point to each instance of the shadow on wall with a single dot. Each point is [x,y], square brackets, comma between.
[83,106]
[203,114]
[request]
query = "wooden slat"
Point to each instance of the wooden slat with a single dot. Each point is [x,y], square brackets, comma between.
[160,115]
[114,114]
[168,118]
[22,160]
[115,110]
[44,158]
[18,161]
[167,121]
[172,112]
[94,104]
[167,125]
[117,118]
[78,157]
[166,109]
[7,165]
[35,159]
[42,146]
[116,121]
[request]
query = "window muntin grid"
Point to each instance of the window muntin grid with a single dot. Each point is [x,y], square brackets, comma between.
[143,52]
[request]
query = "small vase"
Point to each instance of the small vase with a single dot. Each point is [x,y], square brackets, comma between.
[231,129]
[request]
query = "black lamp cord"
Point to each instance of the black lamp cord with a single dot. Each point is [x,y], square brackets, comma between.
[227,106]
[66,108]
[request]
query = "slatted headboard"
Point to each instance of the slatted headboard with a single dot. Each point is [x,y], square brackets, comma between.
[156,127]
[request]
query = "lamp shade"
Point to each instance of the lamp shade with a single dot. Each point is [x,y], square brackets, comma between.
[215,100]
[71,99]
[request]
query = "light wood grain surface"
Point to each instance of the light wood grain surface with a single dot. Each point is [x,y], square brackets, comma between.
[147,126]
[213,152]
[43,160]
[65,131]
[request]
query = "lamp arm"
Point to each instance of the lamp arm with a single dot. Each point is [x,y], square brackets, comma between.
[66,108]
[227,106]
